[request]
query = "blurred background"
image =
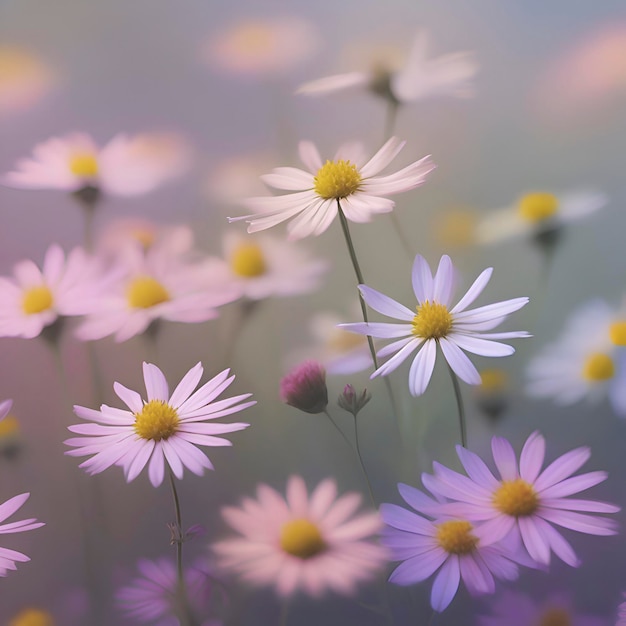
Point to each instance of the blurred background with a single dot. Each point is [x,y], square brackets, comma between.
[548,113]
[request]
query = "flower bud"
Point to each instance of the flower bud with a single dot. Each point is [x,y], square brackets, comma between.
[305,388]
[353,402]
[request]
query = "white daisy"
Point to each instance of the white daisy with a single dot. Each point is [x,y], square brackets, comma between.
[125,166]
[35,298]
[588,361]
[537,213]
[420,78]
[436,324]
[165,427]
[347,180]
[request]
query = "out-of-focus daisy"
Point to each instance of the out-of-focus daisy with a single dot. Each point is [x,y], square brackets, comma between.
[262,47]
[146,287]
[513,608]
[310,543]
[621,618]
[437,324]
[455,228]
[420,78]
[151,598]
[537,214]
[8,558]
[588,361]
[35,298]
[125,166]
[9,431]
[24,79]
[32,617]
[165,427]
[525,500]
[347,180]
[492,395]
[454,547]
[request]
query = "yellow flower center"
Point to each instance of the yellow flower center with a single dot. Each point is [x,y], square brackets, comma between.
[493,380]
[598,367]
[9,426]
[433,320]
[455,537]
[144,292]
[36,300]
[537,207]
[456,229]
[617,332]
[301,538]
[157,420]
[555,617]
[516,497]
[32,617]
[337,179]
[84,165]
[254,39]
[342,341]
[248,261]
[144,237]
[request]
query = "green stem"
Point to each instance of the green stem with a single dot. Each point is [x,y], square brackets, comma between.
[358,453]
[459,404]
[334,423]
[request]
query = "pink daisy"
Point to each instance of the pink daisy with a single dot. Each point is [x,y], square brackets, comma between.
[310,543]
[8,558]
[525,500]
[165,427]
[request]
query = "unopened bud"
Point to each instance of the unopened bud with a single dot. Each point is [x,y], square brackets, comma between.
[305,388]
[352,401]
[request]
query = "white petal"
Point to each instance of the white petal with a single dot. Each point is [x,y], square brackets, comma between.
[422,368]
[382,158]
[459,362]
[474,291]
[385,305]
[422,280]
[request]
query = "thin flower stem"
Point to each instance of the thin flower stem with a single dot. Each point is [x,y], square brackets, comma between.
[459,404]
[334,423]
[185,613]
[283,613]
[358,453]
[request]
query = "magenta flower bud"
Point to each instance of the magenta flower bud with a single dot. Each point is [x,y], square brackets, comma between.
[352,401]
[305,388]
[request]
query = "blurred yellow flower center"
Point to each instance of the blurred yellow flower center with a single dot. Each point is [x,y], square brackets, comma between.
[36,300]
[157,420]
[9,426]
[456,229]
[145,291]
[433,320]
[301,538]
[84,165]
[536,207]
[248,261]
[342,341]
[493,380]
[32,617]
[254,39]
[516,497]
[455,537]
[598,367]
[555,617]
[337,179]
[617,332]
[144,237]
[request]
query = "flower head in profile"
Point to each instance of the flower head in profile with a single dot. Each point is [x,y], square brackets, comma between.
[420,78]
[125,166]
[305,388]
[588,361]
[312,543]
[437,324]
[348,180]
[8,558]
[538,214]
[151,598]
[451,546]
[524,500]
[162,428]
[35,298]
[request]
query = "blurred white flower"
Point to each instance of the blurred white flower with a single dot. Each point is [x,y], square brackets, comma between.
[420,78]
[268,46]
[536,213]
[125,166]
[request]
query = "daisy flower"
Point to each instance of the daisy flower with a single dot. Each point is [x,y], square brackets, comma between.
[436,324]
[525,500]
[151,597]
[538,213]
[513,608]
[35,298]
[310,543]
[453,547]
[125,166]
[8,558]
[419,79]
[588,361]
[348,180]
[162,428]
